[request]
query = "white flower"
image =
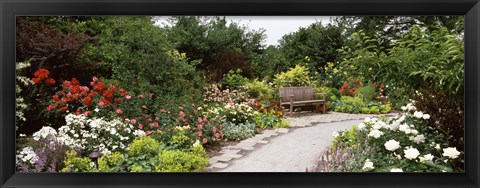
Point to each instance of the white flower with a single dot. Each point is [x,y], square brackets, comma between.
[22,135]
[427,157]
[335,134]
[367,120]
[92,164]
[361,126]
[394,126]
[419,139]
[403,127]
[451,152]
[437,147]
[411,153]
[113,131]
[414,132]
[418,114]
[392,145]
[426,116]
[48,133]
[197,143]
[96,110]
[139,133]
[396,170]
[368,165]
[375,134]
[404,108]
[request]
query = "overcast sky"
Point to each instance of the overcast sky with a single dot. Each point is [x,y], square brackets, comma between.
[275,26]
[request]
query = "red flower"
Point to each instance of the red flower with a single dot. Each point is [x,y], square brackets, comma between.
[92,94]
[182,115]
[87,101]
[148,133]
[50,82]
[108,94]
[55,98]
[163,110]
[87,113]
[103,102]
[50,108]
[345,84]
[63,109]
[100,87]
[217,135]
[357,81]
[78,112]
[37,80]
[122,92]
[220,126]
[75,82]
[375,84]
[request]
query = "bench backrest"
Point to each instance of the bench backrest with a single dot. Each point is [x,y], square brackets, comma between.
[299,93]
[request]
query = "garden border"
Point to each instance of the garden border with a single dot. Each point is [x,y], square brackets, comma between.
[9,9]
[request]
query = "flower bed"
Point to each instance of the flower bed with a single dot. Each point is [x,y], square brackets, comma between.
[403,144]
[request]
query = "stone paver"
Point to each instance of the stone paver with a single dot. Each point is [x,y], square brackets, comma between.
[231,153]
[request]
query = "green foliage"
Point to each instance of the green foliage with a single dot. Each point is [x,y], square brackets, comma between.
[272,61]
[366,92]
[260,90]
[193,160]
[269,120]
[77,164]
[144,146]
[238,131]
[179,139]
[234,80]
[114,162]
[284,123]
[348,138]
[349,104]
[298,76]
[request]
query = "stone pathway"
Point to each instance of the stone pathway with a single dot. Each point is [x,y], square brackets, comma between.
[233,158]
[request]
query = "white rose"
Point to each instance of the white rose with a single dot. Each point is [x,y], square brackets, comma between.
[368,165]
[375,134]
[411,153]
[404,108]
[367,120]
[418,114]
[419,139]
[335,134]
[392,145]
[426,116]
[428,157]
[361,126]
[396,170]
[451,152]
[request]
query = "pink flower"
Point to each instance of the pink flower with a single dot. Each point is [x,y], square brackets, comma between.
[141,96]
[180,108]
[148,132]
[157,118]
[87,113]
[144,107]
[133,121]
[150,95]
[200,127]
[214,129]
[205,140]
[154,124]
[199,120]
[217,135]
[140,126]
[220,126]
[94,79]
[163,110]
[128,97]
[200,133]
[182,115]
[119,111]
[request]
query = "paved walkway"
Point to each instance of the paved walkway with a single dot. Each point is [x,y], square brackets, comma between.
[291,149]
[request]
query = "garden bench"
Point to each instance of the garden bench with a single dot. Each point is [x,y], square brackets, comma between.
[301,96]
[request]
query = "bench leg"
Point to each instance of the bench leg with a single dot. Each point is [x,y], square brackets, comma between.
[291,109]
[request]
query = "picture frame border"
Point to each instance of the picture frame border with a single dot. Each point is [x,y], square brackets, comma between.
[9,9]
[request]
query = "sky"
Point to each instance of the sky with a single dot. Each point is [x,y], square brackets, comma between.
[275,26]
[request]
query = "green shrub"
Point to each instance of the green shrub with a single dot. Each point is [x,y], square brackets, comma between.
[238,132]
[366,92]
[77,164]
[349,104]
[178,139]
[266,120]
[259,90]
[386,108]
[284,123]
[374,110]
[194,159]
[141,156]
[365,110]
[233,79]
[114,162]
[297,76]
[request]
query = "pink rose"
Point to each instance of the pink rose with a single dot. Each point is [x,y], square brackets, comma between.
[180,108]
[133,121]
[200,133]
[140,126]
[217,135]
[141,96]
[128,97]
[144,107]
[163,110]
[182,115]
[200,127]
[205,140]
[87,113]
[119,111]
[214,129]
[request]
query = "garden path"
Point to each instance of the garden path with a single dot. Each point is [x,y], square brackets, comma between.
[286,150]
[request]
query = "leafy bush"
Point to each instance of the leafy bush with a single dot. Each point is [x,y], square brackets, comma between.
[284,123]
[407,143]
[238,131]
[115,162]
[234,80]
[267,120]
[259,90]
[193,160]
[366,92]
[349,104]
[77,164]
[297,76]
[141,156]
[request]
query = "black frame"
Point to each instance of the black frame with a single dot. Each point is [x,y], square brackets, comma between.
[11,8]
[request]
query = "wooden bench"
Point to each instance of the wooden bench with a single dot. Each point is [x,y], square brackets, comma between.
[300,97]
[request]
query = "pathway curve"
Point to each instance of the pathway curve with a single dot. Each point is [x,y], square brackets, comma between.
[291,149]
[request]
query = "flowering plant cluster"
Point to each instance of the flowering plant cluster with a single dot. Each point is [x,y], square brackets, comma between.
[42,76]
[350,89]
[213,94]
[404,143]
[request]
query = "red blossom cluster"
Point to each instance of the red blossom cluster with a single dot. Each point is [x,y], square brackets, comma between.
[42,75]
[350,89]
[208,129]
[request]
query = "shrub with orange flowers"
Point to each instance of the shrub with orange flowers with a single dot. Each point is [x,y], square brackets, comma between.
[350,89]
